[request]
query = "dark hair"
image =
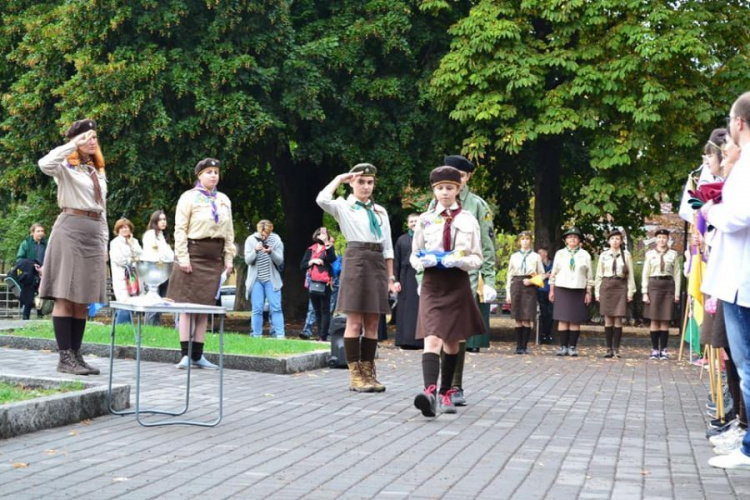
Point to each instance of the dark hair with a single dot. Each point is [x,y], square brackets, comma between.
[543,248]
[742,107]
[153,223]
[316,235]
[34,226]
[413,214]
[716,141]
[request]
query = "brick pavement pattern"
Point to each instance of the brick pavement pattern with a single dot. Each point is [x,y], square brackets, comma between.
[536,426]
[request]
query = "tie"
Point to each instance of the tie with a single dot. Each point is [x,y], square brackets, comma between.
[97,186]
[374,226]
[448,216]
[614,264]
[211,198]
[572,258]
[661,262]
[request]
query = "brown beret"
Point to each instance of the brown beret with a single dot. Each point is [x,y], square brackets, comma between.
[80,127]
[662,230]
[459,162]
[206,163]
[445,174]
[366,169]
[614,232]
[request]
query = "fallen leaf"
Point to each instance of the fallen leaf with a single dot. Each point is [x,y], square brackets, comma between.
[86,422]
[269,395]
[119,479]
[20,465]
[645,473]
[50,452]
[73,433]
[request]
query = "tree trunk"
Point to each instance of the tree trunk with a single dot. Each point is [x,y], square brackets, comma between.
[299,184]
[547,195]
[241,303]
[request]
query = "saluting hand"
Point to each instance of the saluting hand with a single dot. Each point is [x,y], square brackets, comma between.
[82,139]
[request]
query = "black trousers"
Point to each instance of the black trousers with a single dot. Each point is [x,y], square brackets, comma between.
[545,314]
[322,306]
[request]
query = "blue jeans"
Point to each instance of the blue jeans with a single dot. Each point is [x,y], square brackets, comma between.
[123,317]
[737,319]
[258,295]
[309,320]
[334,293]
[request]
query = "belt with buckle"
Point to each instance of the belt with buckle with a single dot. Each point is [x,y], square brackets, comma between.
[661,278]
[375,247]
[83,213]
[614,277]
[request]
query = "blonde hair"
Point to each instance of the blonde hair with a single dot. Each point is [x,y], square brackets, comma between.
[265,226]
[123,222]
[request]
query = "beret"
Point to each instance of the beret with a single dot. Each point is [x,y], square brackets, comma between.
[614,232]
[662,230]
[440,175]
[206,163]
[79,127]
[459,162]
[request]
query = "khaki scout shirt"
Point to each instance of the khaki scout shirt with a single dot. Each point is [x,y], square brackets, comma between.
[194,220]
[604,269]
[652,268]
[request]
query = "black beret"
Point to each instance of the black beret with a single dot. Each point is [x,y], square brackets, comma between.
[662,230]
[206,163]
[445,174]
[459,162]
[364,169]
[614,232]
[80,127]
[574,231]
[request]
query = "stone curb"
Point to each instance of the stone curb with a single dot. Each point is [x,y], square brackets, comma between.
[279,366]
[59,409]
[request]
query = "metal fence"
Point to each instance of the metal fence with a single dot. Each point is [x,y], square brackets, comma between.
[10,307]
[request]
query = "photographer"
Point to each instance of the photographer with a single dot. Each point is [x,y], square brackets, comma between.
[264,255]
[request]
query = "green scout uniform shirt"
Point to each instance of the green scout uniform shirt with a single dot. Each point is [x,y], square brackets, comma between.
[477,207]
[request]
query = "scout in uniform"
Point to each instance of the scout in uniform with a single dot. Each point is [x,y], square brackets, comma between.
[477,207]
[614,288]
[660,285]
[520,291]
[204,248]
[75,269]
[366,272]
[446,246]
[570,286]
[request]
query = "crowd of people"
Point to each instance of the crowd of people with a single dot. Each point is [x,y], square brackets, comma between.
[441,271]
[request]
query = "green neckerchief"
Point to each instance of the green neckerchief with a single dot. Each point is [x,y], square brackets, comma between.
[411,232]
[573,257]
[523,263]
[374,226]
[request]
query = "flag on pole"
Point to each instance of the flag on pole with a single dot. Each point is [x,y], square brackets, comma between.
[693,335]
[695,279]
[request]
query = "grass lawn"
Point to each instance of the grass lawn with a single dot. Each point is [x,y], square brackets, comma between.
[12,392]
[159,336]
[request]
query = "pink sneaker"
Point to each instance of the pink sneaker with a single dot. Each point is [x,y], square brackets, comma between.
[426,402]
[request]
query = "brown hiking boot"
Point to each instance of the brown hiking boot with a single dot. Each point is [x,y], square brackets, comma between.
[368,372]
[357,381]
[68,364]
[79,359]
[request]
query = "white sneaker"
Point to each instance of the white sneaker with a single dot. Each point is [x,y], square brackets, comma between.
[735,460]
[205,364]
[729,446]
[731,434]
[183,364]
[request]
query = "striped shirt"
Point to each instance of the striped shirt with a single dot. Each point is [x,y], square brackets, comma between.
[263,261]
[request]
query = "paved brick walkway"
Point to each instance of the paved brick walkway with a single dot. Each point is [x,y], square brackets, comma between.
[537,427]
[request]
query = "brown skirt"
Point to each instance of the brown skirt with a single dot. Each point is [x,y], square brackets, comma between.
[447,307]
[719,332]
[75,266]
[613,297]
[661,295]
[522,300]
[364,282]
[200,286]
[570,306]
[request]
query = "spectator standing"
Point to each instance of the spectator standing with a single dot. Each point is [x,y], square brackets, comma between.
[542,295]
[124,251]
[264,255]
[32,248]
[407,309]
[156,248]
[316,262]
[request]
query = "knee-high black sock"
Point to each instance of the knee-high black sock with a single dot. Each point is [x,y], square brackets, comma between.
[184,347]
[526,336]
[617,337]
[458,375]
[430,368]
[574,337]
[351,349]
[197,351]
[368,348]
[446,377]
[663,339]
[564,338]
[63,331]
[78,326]
[519,337]
[608,336]
[655,340]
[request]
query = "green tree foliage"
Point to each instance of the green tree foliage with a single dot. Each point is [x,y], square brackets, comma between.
[604,104]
